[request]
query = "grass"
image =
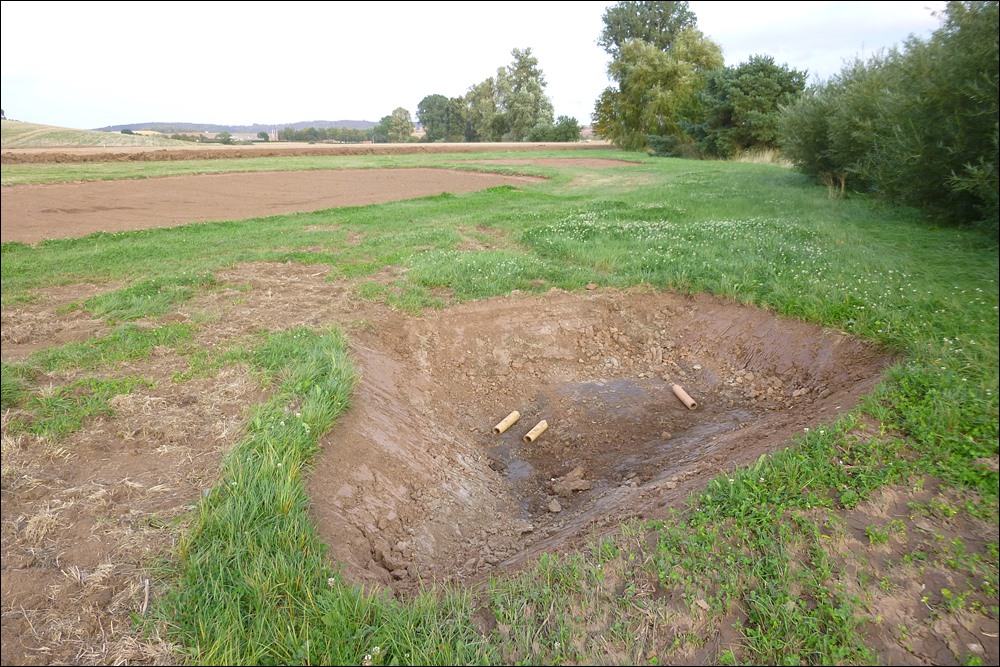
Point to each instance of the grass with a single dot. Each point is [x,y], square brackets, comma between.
[63,410]
[17,134]
[752,552]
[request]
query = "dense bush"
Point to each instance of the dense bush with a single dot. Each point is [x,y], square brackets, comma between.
[566,129]
[741,106]
[917,126]
[671,145]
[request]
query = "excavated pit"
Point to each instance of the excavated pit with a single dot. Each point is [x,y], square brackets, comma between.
[413,485]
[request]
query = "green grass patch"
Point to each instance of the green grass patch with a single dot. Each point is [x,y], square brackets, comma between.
[55,414]
[14,381]
[127,342]
[146,298]
[400,295]
[251,584]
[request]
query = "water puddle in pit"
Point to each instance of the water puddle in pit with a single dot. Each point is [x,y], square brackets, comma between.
[621,432]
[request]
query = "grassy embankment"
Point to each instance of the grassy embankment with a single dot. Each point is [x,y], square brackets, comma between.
[16,134]
[751,547]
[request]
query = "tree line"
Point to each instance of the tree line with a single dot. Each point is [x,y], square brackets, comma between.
[916,126]
[345,135]
[511,106]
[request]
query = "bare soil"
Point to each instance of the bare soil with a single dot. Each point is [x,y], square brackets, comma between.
[412,485]
[32,213]
[264,149]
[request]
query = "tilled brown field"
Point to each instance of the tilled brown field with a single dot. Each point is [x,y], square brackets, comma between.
[221,151]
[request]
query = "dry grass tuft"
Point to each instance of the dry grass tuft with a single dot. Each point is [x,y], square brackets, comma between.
[764,156]
[38,526]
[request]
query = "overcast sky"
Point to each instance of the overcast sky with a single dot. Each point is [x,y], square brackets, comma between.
[94,64]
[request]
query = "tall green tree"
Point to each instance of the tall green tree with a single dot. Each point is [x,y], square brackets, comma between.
[432,112]
[380,133]
[656,89]
[521,93]
[483,111]
[400,126]
[657,23]
[457,114]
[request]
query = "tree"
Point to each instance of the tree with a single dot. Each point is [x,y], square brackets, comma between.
[566,129]
[483,109]
[656,89]
[432,112]
[659,62]
[400,126]
[127,131]
[224,138]
[263,136]
[657,23]
[742,104]
[457,124]
[380,133]
[521,92]
[945,148]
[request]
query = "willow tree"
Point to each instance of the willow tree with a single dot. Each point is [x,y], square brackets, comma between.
[656,89]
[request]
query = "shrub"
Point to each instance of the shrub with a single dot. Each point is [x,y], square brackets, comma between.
[916,126]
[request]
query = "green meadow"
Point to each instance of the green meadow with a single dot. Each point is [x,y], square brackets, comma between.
[748,557]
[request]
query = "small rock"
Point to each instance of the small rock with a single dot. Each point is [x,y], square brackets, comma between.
[554,506]
[572,481]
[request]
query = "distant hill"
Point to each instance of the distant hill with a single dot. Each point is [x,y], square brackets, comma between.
[209,128]
[18,134]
